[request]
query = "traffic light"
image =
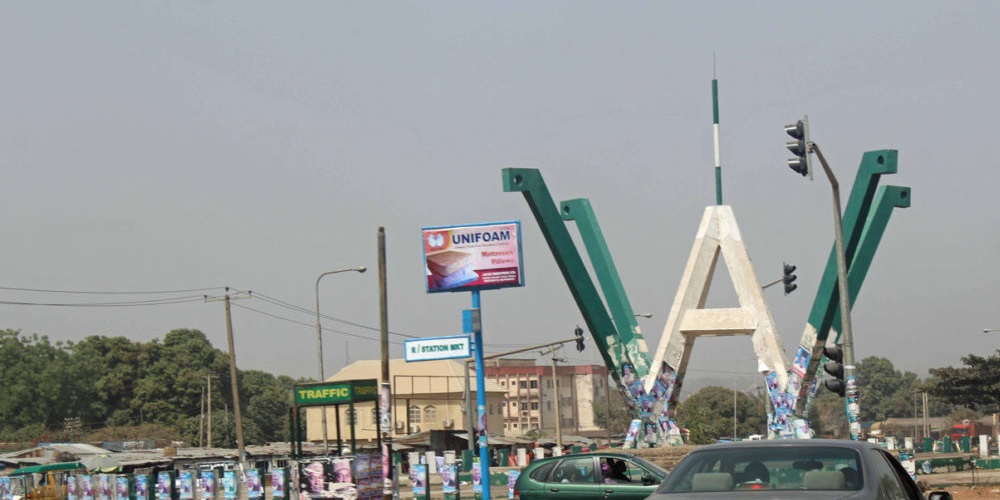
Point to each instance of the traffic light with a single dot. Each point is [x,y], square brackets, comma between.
[835,367]
[788,278]
[799,147]
[579,338]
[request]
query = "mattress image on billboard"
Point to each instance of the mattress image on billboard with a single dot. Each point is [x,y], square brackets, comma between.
[450,269]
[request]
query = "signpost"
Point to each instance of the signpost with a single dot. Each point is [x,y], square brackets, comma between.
[431,348]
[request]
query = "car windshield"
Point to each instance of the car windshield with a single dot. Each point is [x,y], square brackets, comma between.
[766,468]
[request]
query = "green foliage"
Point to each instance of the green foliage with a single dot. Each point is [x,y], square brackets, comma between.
[886,392]
[114,383]
[621,415]
[709,414]
[975,385]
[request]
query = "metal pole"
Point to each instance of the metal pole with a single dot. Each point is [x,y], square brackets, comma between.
[555,379]
[484,451]
[851,399]
[319,346]
[235,381]
[607,398]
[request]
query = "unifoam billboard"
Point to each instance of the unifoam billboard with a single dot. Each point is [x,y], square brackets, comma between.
[475,256]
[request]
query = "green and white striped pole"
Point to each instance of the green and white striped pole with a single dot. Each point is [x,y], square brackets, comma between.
[715,127]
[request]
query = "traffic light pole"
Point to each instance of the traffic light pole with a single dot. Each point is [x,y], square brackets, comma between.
[851,399]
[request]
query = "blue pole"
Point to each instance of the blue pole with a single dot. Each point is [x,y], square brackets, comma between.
[484,451]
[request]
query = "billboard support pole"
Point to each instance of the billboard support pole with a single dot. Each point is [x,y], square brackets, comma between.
[484,451]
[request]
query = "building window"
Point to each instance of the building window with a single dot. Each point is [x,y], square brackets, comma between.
[534,384]
[524,413]
[503,383]
[524,384]
[415,414]
[513,404]
[430,413]
[534,426]
[515,426]
[548,384]
[534,405]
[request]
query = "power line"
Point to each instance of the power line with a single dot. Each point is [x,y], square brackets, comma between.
[42,290]
[132,303]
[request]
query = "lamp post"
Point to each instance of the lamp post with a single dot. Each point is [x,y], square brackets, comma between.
[319,342]
[643,315]
[990,330]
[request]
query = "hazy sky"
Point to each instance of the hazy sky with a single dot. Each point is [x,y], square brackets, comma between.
[171,146]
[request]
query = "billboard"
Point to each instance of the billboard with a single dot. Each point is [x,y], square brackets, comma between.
[474,256]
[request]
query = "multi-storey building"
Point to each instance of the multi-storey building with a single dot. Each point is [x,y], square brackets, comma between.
[531,401]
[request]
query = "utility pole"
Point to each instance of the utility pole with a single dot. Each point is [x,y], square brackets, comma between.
[201,422]
[240,444]
[555,378]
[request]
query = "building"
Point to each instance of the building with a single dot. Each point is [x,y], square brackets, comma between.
[531,401]
[426,395]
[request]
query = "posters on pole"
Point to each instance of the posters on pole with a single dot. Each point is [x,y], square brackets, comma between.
[104,487]
[5,490]
[449,483]
[278,483]
[142,487]
[473,256]
[72,489]
[512,476]
[207,484]
[163,486]
[255,487]
[477,478]
[419,479]
[87,487]
[121,487]
[229,484]
[186,484]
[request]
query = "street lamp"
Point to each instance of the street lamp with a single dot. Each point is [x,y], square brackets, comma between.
[990,330]
[643,315]
[319,342]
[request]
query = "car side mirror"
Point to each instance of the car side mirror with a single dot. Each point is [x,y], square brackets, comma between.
[939,495]
[648,480]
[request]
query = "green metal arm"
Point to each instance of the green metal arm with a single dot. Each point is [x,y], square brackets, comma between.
[630,336]
[529,182]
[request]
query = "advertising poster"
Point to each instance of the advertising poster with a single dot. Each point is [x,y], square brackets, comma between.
[229,484]
[633,431]
[141,486]
[186,484]
[163,486]
[121,487]
[313,479]
[342,471]
[255,488]
[72,489]
[511,481]
[419,472]
[5,493]
[207,484]
[277,483]
[104,487]
[476,256]
[87,487]
[448,482]
[477,478]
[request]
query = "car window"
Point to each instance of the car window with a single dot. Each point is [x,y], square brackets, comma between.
[893,481]
[542,472]
[764,468]
[575,470]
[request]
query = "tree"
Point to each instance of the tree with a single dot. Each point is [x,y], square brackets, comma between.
[883,391]
[975,385]
[709,414]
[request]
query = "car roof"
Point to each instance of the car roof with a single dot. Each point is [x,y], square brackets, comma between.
[777,443]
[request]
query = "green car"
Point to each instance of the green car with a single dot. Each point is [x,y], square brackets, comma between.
[590,475]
